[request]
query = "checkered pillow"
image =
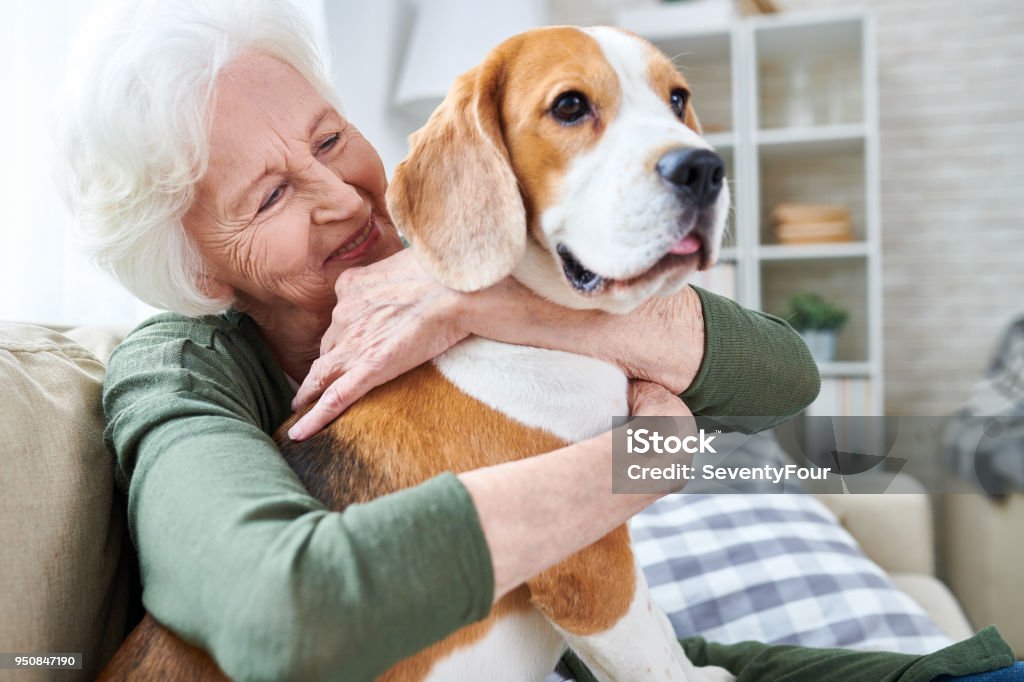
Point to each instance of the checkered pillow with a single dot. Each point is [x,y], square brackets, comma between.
[772,568]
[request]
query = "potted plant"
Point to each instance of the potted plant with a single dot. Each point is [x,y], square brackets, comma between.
[818,322]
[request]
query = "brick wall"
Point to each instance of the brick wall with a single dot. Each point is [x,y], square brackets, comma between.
[952,163]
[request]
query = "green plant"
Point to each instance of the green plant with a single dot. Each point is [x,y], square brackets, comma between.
[809,312]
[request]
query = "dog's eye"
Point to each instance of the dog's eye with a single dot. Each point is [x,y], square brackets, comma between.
[570,107]
[678,100]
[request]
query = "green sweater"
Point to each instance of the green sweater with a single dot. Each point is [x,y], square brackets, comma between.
[238,558]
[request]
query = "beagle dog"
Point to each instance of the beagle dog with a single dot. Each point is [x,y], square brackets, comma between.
[572,160]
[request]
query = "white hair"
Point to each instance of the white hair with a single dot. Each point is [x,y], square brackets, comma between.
[135,129]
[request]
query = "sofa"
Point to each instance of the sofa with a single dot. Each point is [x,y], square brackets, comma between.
[67,574]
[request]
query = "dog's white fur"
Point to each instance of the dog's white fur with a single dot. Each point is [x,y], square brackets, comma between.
[571,396]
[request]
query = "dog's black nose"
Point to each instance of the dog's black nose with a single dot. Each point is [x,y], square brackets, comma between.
[697,174]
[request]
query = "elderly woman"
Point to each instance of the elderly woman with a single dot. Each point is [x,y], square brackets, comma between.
[216,179]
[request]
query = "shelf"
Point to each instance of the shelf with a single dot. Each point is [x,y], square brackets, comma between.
[804,251]
[845,369]
[748,78]
[816,140]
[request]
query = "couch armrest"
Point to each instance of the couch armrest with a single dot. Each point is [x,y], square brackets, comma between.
[894,529]
[983,555]
[64,581]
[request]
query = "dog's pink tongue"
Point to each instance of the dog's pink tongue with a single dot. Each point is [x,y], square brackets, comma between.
[688,244]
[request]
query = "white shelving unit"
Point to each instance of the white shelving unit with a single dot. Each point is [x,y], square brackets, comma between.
[790,102]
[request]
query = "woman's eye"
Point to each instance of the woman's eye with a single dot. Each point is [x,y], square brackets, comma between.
[272,199]
[570,107]
[328,143]
[678,100]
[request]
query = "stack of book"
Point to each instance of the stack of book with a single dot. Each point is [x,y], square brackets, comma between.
[811,223]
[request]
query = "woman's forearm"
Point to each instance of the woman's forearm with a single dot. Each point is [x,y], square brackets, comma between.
[722,358]
[661,341]
[535,512]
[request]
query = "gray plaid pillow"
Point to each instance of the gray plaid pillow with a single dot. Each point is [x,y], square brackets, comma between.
[773,568]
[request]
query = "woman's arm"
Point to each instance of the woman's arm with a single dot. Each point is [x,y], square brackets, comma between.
[723,359]
[238,558]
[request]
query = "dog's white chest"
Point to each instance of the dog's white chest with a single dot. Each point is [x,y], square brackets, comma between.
[571,396]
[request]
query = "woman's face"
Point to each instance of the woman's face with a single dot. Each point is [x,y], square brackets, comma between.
[293,194]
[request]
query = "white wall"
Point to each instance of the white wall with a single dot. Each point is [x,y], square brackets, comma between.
[43,276]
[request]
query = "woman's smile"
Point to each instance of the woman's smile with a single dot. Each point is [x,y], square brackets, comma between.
[358,245]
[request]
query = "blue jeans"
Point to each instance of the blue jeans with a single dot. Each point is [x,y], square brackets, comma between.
[1015,673]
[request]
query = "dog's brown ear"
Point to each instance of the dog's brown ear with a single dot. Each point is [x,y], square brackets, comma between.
[455,197]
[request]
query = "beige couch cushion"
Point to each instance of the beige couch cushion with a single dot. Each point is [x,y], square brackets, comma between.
[894,528]
[63,587]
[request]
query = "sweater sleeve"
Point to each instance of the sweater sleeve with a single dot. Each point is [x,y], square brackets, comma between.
[755,366]
[235,555]
[755,661]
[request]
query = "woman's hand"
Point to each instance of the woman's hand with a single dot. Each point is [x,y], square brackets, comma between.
[647,399]
[391,316]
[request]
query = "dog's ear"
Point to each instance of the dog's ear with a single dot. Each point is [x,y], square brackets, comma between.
[455,197]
